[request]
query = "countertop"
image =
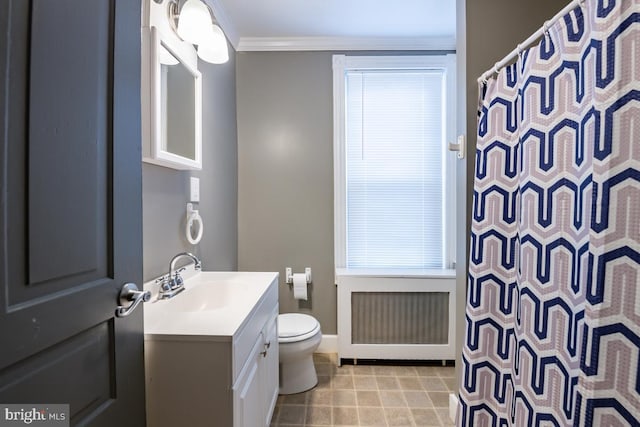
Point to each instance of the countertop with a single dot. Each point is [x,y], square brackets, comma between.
[213,306]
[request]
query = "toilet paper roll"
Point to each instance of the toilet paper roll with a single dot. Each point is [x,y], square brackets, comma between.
[300,286]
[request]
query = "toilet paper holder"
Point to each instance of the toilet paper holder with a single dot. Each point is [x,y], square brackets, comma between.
[289,275]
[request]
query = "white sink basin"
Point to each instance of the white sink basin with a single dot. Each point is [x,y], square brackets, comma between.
[212,304]
[199,299]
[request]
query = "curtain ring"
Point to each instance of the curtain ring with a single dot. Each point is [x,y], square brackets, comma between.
[545,28]
[519,50]
[496,69]
[581,3]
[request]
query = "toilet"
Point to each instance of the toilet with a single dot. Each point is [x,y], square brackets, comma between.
[299,336]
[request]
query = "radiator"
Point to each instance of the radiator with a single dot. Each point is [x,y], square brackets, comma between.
[396,316]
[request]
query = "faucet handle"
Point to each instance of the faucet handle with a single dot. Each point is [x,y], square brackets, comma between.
[163,281]
[177,281]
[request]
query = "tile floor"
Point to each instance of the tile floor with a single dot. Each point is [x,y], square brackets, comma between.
[370,395]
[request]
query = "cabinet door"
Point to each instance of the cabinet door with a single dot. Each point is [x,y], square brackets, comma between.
[269,369]
[248,398]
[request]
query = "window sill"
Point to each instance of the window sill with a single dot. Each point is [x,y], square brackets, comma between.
[397,273]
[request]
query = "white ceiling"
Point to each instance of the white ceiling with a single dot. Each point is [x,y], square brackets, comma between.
[281,20]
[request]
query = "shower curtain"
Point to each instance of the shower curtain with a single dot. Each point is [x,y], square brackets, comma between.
[553,304]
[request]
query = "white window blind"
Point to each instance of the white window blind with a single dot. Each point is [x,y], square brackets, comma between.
[395,137]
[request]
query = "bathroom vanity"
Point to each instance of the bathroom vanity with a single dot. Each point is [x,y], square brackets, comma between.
[211,352]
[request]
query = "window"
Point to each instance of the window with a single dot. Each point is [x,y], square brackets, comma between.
[394,178]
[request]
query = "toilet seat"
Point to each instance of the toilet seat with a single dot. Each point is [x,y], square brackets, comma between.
[295,327]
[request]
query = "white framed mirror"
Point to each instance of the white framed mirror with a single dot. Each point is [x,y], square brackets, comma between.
[174,109]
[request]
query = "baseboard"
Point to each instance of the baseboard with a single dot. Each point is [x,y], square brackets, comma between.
[329,344]
[453,406]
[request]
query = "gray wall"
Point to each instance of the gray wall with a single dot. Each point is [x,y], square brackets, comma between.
[285,173]
[165,191]
[285,167]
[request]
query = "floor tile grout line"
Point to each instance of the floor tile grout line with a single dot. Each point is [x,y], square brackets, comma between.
[384,414]
[391,371]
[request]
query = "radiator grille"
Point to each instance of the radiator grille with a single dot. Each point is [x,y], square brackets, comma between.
[399,317]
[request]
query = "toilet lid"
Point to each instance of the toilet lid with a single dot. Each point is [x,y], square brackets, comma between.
[296,327]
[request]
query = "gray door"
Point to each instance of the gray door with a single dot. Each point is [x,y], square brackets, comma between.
[70,207]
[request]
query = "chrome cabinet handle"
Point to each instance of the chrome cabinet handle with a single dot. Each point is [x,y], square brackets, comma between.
[130,293]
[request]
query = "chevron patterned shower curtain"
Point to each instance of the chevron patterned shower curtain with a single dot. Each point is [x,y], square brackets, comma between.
[553,305]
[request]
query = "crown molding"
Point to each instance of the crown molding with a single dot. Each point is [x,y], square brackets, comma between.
[344,43]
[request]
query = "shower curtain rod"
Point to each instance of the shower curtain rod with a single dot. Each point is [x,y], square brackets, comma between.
[532,38]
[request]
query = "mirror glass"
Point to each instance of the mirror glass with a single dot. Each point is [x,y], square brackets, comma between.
[172,110]
[178,106]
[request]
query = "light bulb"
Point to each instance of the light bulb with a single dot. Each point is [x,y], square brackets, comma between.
[194,22]
[214,48]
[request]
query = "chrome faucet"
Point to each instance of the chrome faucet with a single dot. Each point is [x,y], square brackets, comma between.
[172,284]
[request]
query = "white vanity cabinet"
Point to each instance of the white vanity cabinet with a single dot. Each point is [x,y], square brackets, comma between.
[256,389]
[215,380]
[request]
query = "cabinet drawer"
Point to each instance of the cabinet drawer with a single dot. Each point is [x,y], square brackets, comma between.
[249,333]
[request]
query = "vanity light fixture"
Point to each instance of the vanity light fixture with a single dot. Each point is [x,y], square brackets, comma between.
[216,52]
[193,23]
